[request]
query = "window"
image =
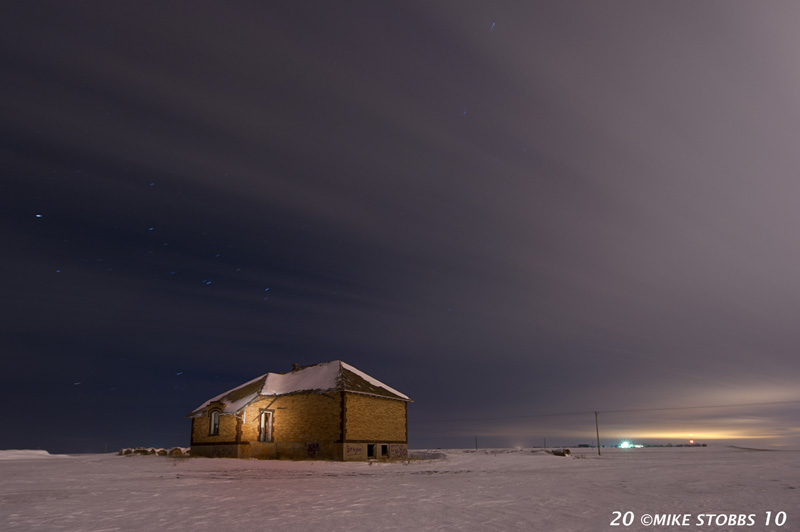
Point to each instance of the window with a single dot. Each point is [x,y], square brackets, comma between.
[384,450]
[265,426]
[213,425]
[370,450]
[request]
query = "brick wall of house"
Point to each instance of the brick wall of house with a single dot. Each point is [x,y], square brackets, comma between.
[375,419]
[260,450]
[302,418]
[227,429]
[307,426]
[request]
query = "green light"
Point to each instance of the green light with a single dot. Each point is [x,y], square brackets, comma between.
[625,445]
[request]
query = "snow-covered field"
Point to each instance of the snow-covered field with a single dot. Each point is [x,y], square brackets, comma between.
[466,490]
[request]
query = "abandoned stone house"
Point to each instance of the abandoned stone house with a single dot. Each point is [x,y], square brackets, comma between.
[329,411]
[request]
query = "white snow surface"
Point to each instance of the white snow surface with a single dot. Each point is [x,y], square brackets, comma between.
[319,377]
[26,454]
[234,406]
[499,490]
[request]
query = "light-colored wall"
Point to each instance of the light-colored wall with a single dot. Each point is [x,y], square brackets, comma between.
[375,419]
[297,418]
[354,452]
[227,429]
[309,426]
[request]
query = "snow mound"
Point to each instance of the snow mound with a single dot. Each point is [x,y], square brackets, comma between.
[145,451]
[25,454]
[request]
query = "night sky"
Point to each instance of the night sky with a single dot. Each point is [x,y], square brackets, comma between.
[503,210]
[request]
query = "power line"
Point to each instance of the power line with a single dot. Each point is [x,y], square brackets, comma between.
[529,416]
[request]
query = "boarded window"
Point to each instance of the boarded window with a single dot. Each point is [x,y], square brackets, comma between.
[213,425]
[265,427]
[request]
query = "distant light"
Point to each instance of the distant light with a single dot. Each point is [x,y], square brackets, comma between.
[691,441]
[75,383]
[58,271]
[150,228]
[39,215]
[625,445]
[179,373]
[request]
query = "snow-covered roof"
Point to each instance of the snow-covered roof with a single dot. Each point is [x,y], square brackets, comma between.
[336,376]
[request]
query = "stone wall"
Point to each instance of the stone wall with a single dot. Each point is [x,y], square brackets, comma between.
[216,450]
[260,450]
[353,452]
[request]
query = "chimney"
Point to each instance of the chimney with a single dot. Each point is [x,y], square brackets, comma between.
[295,367]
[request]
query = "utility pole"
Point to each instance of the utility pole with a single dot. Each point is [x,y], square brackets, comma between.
[597,428]
[476,442]
[545,443]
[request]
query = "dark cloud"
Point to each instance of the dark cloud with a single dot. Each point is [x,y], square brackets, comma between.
[499,210]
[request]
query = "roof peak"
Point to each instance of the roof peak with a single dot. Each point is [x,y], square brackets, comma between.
[332,376]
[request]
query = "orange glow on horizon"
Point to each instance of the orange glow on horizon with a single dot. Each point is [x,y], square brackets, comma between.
[680,435]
